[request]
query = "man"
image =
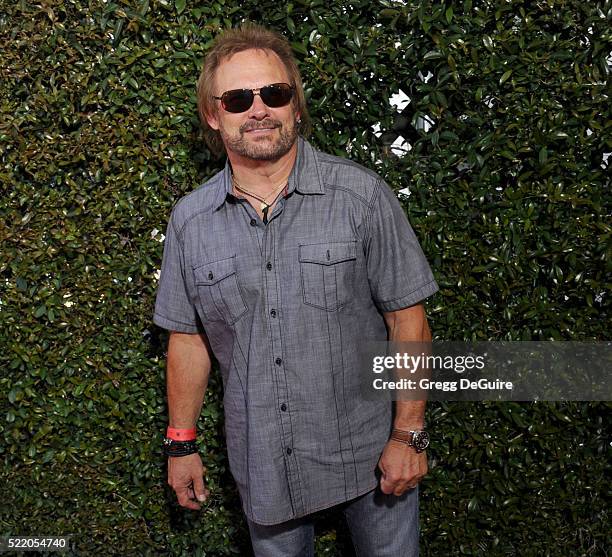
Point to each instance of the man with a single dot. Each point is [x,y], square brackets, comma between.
[279,267]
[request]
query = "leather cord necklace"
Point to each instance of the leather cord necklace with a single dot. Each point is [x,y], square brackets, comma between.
[265,206]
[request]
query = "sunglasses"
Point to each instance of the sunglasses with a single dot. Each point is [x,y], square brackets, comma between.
[240,100]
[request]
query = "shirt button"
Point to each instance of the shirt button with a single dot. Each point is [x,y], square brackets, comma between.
[253,222]
[289,450]
[269,266]
[283,407]
[210,276]
[278,361]
[273,312]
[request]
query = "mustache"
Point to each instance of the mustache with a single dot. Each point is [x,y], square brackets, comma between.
[269,123]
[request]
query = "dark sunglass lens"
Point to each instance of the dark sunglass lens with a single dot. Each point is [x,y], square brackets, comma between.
[276,95]
[238,100]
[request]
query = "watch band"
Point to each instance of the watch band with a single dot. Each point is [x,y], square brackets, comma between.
[403,436]
[417,439]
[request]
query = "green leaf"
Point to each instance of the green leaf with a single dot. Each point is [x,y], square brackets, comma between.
[78,390]
[449,15]
[433,55]
[299,47]
[180,6]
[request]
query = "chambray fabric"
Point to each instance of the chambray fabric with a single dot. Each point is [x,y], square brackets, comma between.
[284,306]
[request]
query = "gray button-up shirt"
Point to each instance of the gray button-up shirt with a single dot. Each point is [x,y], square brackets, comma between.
[284,306]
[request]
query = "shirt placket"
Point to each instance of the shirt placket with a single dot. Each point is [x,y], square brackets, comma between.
[276,362]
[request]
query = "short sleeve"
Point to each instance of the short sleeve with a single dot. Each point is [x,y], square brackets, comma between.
[173,309]
[398,272]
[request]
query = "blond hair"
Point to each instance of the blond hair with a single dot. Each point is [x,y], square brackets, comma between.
[229,42]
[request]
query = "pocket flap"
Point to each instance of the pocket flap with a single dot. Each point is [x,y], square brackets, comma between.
[213,272]
[329,253]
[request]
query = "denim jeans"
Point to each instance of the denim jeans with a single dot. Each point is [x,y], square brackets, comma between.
[380,526]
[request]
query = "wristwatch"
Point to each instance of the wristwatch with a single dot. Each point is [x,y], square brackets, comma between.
[419,439]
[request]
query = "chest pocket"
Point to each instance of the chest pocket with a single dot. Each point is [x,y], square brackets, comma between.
[220,296]
[327,274]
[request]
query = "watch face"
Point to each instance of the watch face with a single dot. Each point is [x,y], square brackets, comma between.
[420,440]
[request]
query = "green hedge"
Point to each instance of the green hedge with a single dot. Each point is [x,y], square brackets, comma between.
[98,139]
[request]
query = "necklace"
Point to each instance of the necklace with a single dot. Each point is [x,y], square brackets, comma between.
[265,205]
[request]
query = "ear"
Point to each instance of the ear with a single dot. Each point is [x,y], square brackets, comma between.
[212,120]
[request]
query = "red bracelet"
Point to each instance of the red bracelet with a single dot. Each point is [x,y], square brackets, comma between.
[178,434]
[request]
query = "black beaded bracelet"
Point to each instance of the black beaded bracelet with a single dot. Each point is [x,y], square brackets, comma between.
[171,447]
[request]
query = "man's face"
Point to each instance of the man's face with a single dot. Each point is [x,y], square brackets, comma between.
[261,132]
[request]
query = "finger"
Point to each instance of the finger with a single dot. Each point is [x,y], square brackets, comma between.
[182,494]
[400,488]
[385,486]
[199,491]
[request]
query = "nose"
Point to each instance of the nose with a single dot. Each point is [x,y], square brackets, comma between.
[258,109]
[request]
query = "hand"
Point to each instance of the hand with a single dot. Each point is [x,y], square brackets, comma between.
[186,477]
[402,467]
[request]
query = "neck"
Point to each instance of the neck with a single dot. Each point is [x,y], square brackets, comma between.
[259,175]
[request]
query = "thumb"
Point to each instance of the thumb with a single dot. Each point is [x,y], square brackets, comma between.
[385,485]
[201,493]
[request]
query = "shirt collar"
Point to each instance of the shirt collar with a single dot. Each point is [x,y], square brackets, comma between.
[305,176]
[224,186]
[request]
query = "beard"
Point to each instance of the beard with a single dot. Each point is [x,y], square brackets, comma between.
[262,148]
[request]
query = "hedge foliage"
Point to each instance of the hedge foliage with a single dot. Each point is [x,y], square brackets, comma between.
[506,135]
